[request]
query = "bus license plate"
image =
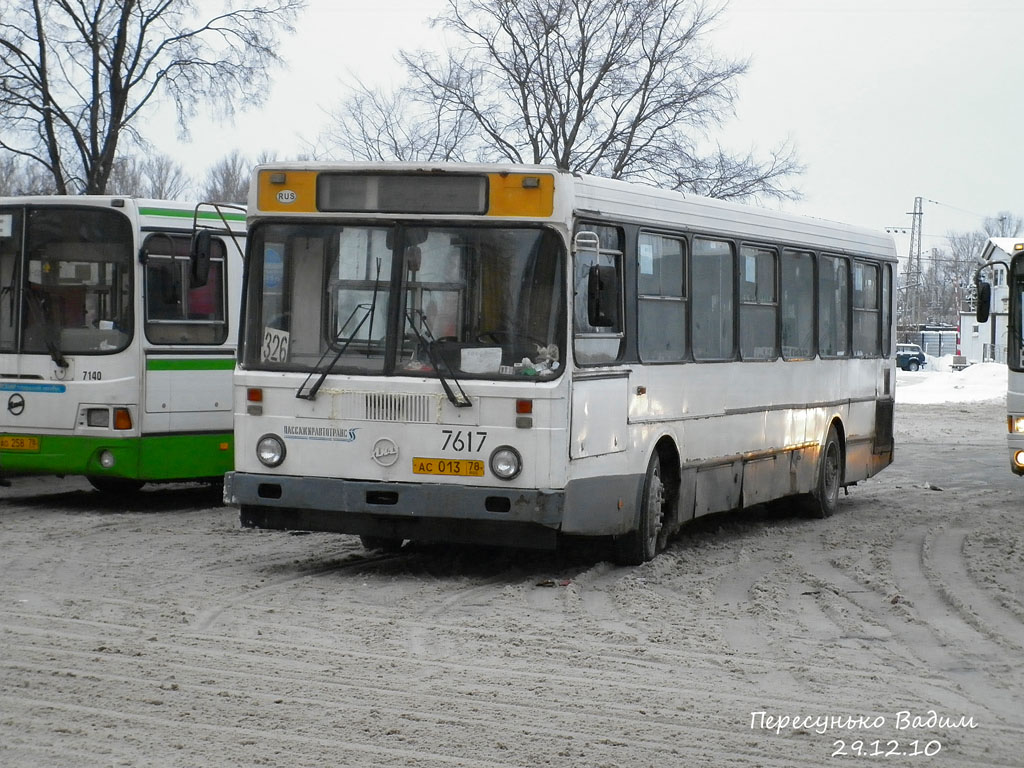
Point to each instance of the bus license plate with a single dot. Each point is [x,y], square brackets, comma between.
[11,443]
[455,467]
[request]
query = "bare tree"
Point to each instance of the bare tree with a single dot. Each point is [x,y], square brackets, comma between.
[627,90]
[227,181]
[739,177]
[375,125]
[77,75]
[948,277]
[1003,224]
[19,177]
[157,176]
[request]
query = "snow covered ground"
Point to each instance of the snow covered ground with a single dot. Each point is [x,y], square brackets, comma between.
[156,632]
[939,383]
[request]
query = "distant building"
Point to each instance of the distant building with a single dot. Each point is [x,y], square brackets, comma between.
[935,339]
[986,342]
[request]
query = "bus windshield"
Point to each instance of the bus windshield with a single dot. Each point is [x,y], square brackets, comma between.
[471,302]
[66,281]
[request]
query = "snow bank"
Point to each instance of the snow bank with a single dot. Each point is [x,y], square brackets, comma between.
[976,383]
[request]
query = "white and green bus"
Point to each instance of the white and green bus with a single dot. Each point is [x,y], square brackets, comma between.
[1004,256]
[512,354]
[117,338]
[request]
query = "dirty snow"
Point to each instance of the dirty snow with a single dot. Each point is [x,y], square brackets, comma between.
[156,632]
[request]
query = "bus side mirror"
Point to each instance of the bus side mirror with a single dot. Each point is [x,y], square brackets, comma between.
[199,258]
[984,301]
[602,297]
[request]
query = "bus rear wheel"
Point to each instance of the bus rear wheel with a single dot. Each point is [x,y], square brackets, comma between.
[645,541]
[822,502]
[115,485]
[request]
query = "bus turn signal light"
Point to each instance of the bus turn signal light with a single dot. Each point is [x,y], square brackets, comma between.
[122,418]
[1016,424]
[254,395]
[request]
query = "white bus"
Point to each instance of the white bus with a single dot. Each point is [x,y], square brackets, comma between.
[116,347]
[1008,253]
[509,354]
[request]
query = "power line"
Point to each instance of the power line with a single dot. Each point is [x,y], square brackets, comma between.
[963,210]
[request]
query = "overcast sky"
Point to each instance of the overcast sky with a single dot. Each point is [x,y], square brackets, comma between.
[886,100]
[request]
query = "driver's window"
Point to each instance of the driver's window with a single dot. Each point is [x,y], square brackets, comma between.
[176,311]
[598,245]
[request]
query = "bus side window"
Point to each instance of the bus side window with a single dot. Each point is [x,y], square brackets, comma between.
[797,305]
[866,336]
[713,296]
[886,310]
[833,306]
[661,298]
[758,303]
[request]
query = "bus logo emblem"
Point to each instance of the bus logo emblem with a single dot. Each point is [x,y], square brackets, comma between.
[16,405]
[385,452]
[286,196]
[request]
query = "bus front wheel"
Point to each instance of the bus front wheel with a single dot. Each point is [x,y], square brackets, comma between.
[643,542]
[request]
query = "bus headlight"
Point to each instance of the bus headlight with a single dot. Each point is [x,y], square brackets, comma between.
[97,417]
[1017,424]
[270,450]
[1018,459]
[506,462]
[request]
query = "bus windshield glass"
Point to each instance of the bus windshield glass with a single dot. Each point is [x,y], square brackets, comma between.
[66,280]
[465,301]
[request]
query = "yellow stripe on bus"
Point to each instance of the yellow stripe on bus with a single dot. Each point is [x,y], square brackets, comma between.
[287,191]
[521,194]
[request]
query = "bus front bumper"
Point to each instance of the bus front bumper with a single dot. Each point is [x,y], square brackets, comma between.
[456,513]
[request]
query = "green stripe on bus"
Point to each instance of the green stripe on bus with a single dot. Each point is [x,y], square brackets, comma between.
[191,364]
[189,214]
[151,457]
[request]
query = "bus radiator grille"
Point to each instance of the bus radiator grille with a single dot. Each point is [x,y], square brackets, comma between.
[385,406]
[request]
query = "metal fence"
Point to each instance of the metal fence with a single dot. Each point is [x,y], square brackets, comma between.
[993,353]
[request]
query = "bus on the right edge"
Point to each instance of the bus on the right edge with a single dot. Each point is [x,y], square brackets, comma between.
[1008,253]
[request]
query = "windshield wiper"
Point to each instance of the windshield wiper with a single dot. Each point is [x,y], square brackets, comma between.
[51,330]
[324,370]
[460,400]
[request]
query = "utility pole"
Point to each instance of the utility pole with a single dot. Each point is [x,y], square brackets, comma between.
[912,274]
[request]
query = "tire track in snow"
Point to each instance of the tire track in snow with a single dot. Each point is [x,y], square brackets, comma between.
[939,635]
[945,566]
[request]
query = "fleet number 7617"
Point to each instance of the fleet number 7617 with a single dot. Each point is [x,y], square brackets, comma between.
[463,441]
